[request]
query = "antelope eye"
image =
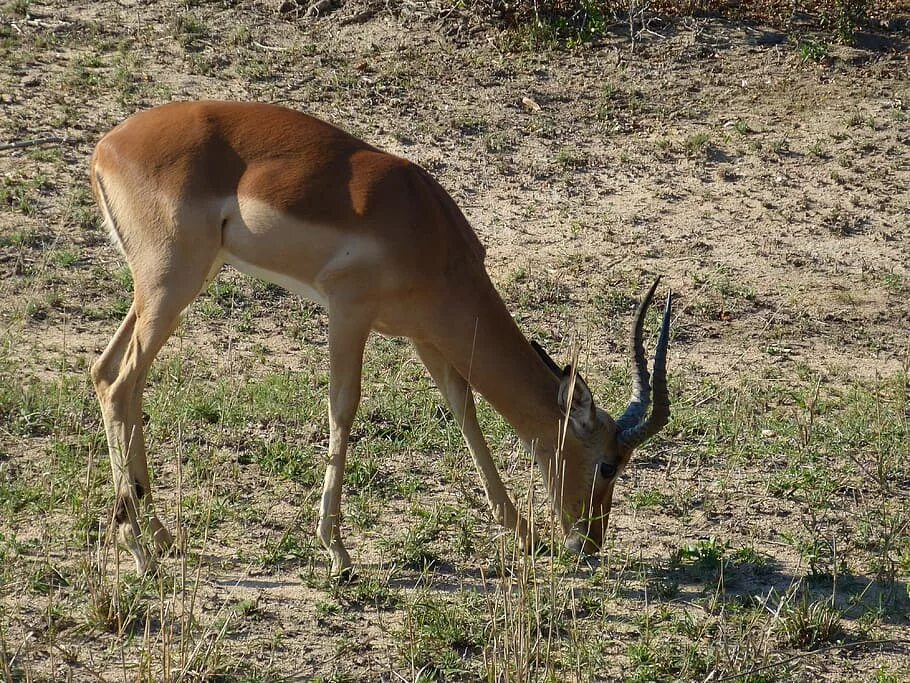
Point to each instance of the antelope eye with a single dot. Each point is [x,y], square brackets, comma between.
[607,470]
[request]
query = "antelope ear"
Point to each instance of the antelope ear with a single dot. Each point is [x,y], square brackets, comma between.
[582,414]
[550,363]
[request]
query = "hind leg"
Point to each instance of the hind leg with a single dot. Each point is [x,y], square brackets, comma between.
[116,375]
[119,375]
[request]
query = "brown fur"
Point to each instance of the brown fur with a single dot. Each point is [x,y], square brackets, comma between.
[188,186]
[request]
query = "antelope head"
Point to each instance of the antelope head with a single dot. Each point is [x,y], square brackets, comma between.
[594,448]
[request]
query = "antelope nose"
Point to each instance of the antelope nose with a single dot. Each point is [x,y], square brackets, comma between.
[575,544]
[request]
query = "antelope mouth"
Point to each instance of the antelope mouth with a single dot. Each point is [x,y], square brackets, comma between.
[580,543]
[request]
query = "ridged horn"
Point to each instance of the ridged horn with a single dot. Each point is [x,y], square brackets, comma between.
[545,357]
[633,429]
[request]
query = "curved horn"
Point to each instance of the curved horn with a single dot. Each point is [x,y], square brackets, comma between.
[636,435]
[545,357]
[641,381]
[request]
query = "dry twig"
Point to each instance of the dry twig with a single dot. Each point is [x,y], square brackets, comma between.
[34,142]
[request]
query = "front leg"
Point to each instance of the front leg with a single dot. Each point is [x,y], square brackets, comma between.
[348,331]
[459,397]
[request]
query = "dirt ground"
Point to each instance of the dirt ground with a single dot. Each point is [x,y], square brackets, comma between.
[767,182]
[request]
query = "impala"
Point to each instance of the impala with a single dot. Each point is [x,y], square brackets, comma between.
[187,187]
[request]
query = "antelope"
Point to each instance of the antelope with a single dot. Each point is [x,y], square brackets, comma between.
[187,187]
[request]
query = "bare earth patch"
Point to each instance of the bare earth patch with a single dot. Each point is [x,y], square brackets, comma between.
[767,533]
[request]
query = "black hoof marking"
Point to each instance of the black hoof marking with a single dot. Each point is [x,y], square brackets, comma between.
[347,576]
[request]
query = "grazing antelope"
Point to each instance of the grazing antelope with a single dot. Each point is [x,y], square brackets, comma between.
[187,187]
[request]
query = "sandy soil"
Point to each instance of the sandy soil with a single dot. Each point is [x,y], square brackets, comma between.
[770,192]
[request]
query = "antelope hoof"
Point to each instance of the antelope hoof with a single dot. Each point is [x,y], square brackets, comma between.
[530,544]
[145,561]
[163,539]
[345,576]
[576,544]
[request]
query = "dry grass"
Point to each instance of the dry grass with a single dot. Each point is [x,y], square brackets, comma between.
[763,537]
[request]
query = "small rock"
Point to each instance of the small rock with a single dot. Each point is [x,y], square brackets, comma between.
[530,104]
